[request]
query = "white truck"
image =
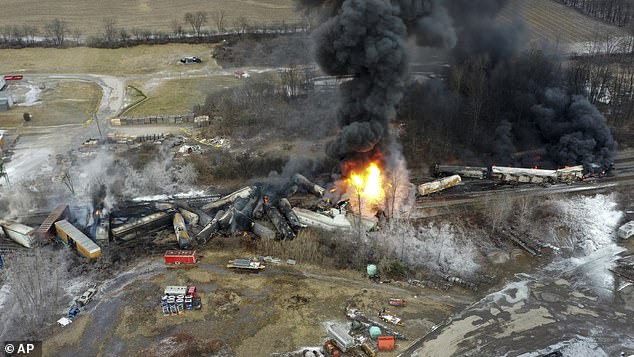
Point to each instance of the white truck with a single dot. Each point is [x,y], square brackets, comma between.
[87,296]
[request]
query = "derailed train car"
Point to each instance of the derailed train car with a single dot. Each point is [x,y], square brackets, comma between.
[428,188]
[513,174]
[540,176]
[464,171]
[72,236]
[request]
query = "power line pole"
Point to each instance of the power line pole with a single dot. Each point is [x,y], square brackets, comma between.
[98,127]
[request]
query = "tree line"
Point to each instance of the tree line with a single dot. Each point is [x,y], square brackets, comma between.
[195,27]
[617,12]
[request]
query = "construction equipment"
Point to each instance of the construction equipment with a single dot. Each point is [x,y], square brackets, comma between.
[388,316]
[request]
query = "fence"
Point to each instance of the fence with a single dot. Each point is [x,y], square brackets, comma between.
[154,119]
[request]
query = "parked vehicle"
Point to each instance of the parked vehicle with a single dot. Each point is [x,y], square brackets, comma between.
[191,59]
[72,313]
[87,296]
[397,302]
[177,299]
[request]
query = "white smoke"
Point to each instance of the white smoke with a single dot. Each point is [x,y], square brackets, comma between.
[584,223]
[443,249]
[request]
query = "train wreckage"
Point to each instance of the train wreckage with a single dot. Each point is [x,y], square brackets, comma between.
[251,210]
[514,174]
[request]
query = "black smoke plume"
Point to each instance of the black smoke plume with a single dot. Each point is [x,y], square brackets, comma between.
[574,131]
[503,144]
[367,39]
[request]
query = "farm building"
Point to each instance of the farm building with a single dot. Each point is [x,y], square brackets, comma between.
[6,101]
[76,239]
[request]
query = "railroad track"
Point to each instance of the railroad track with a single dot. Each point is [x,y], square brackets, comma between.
[478,192]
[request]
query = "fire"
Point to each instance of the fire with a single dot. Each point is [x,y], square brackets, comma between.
[368,183]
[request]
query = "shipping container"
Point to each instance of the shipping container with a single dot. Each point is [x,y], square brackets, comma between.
[181,257]
[46,231]
[76,239]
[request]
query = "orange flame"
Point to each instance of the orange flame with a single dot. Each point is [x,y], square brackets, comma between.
[368,183]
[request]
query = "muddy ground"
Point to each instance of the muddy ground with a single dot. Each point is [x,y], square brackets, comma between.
[282,308]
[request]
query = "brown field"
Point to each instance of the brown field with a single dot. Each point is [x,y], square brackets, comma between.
[118,62]
[551,21]
[59,103]
[280,309]
[88,15]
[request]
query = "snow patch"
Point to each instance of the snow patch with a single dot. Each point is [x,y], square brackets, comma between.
[578,346]
[31,97]
[512,293]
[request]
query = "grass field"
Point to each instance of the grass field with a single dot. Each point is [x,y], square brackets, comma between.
[551,21]
[178,96]
[122,61]
[88,15]
[65,102]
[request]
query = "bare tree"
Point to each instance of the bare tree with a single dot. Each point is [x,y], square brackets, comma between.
[35,280]
[241,25]
[177,29]
[137,34]
[292,80]
[196,20]
[77,36]
[68,182]
[498,210]
[29,32]
[219,19]
[57,30]
[124,36]
[109,31]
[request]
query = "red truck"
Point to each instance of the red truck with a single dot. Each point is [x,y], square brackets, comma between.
[181,257]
